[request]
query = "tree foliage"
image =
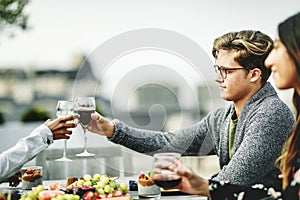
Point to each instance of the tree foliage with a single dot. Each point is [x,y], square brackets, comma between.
[2,120]
[12,14]
[34,114]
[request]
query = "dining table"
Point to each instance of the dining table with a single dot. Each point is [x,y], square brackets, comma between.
[172,194]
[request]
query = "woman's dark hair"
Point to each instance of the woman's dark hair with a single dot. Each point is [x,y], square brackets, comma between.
[289,34]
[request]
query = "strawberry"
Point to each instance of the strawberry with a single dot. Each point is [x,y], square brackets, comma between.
[89,196]
[109,195]
[117,193]
[29,171]
[142,176]
[97,196]
[103,196]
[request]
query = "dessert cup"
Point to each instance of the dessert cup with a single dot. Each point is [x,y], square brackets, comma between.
[32,176]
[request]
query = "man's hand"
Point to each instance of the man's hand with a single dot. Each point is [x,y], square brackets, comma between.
[101,125]
[61,127]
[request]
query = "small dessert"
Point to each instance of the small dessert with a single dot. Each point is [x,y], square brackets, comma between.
[147,187]
[31,178]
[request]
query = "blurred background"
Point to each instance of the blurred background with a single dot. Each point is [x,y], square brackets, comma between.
[147,63]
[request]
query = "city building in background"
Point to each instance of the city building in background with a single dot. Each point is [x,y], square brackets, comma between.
[161,99]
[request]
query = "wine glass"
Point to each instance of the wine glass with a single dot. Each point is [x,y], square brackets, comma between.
[84,107]
[167,179]
[63,109]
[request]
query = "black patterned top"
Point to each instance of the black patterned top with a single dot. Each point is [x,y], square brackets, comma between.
[225,191]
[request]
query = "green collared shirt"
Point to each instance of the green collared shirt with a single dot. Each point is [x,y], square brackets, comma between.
[233,123]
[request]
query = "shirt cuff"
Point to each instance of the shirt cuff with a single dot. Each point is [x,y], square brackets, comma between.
[46,134]
[117,125]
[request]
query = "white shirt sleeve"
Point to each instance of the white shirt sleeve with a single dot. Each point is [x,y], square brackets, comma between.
[26,149]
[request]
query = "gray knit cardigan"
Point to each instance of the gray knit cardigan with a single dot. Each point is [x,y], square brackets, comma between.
[263,126]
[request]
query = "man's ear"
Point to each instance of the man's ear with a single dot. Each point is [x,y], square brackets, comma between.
[255,75]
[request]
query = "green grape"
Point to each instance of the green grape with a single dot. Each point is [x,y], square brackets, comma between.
[23,197]
[87,177]
[103,176]
[80,183]
[39,189]
[107,189]
[60,197]
[105,180]
[32,195]
[70,196]
[87,183]
[123,187]
[101,184]
[97,177]
[113,185]
[97,187]
[76,197]
[28,198]
[100,191]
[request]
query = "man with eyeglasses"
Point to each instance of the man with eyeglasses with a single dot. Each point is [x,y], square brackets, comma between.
[247,135]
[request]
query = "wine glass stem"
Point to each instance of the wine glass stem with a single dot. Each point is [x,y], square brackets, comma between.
[85,139]
[65,148]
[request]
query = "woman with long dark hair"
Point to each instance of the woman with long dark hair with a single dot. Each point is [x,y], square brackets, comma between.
[284,61]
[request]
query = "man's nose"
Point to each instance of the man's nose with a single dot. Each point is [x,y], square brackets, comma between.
[218,78]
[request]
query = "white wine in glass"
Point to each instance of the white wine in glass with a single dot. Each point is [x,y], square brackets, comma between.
[84,107]
[63,109]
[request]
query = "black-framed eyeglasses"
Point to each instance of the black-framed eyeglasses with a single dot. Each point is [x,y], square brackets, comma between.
[223,70]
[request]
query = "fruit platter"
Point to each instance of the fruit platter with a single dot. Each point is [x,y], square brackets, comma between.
[86,188]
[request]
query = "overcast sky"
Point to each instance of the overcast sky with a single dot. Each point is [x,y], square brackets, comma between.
[61,29]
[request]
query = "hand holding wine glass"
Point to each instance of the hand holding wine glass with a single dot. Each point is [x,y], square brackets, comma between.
[63,109]
[164,176]
[84,107]
[176,174]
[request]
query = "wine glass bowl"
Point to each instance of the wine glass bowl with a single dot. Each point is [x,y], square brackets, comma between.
[85,116]
[84,107]
[167,179]
[63,109]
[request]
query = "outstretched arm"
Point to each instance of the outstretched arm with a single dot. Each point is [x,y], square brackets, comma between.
[28,147]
